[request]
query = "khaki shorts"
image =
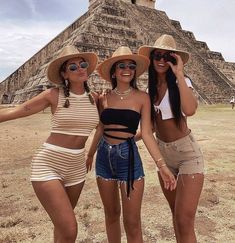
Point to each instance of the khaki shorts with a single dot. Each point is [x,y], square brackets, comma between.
[182,156]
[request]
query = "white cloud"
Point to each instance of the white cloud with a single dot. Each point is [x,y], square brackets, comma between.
[21,42]
[210,21]
[28,25]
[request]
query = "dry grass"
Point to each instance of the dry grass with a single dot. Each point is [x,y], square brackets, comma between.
[22,219]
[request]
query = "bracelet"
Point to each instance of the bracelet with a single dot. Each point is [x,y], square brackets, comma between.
[162,165]
[158,160]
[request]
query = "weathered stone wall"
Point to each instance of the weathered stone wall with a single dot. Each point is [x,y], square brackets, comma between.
[109,24]
[146,3]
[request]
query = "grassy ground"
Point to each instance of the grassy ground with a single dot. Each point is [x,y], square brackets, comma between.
[22,219]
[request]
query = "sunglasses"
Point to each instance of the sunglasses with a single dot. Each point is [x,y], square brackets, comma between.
[123,65]
[166,57]
[73,67]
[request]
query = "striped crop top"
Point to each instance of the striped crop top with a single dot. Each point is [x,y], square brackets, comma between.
[80,118]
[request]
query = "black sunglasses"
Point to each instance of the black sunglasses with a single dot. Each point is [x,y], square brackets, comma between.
[123,65]
[166,57]
[73,66]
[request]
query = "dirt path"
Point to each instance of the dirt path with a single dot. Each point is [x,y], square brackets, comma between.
[22,218]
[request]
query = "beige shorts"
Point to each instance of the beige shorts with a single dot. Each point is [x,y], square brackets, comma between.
[182,156]
[55,162]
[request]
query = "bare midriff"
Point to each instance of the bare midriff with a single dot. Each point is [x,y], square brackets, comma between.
[168,131]
[67,141]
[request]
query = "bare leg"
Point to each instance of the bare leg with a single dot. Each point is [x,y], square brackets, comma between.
[132,211]
[183,203]
[109,193]
[170,197]
[58,201]
[188,192]
[73,193]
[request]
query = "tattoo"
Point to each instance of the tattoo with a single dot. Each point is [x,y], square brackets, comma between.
[26,108]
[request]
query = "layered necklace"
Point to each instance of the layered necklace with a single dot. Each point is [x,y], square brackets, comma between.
[123,94]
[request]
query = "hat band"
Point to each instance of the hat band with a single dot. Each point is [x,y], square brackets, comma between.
[165,47]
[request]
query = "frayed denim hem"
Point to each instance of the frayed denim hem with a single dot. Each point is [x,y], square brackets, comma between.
[119,181]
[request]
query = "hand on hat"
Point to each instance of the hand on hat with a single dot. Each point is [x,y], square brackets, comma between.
[178,68]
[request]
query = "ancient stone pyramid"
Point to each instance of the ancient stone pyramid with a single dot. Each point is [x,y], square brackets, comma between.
[111,23]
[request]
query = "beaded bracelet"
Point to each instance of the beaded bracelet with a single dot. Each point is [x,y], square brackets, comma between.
[162,165]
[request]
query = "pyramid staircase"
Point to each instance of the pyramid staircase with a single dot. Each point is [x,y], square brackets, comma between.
[109,24]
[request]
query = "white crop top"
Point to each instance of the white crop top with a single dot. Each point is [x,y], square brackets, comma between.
[165,106]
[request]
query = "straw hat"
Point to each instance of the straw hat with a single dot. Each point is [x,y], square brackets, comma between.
[123,53]
[68,52]
[164,42]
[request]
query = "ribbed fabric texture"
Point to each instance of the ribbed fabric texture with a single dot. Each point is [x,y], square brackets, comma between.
[53,162]
[80,118]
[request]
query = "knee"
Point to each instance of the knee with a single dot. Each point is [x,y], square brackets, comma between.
[184,222]
[132,224]
[69,234]
[112,214]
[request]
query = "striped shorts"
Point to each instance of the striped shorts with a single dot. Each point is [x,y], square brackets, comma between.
[55,162]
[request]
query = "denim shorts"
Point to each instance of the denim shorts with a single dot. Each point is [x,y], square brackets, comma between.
[182,156]
[112,161]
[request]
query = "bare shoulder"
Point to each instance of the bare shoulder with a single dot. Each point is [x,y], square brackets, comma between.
[103,96]
[52,93]
[142,96]
[95,95]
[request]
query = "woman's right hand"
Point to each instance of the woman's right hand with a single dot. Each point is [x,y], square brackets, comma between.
[168,178]
[89,162]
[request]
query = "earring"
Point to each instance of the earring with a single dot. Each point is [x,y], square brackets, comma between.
[113,76]
[66,82]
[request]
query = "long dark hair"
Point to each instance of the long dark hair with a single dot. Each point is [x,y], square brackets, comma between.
[114,79]
[173,89]
[66,87]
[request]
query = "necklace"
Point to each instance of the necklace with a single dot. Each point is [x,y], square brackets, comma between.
[122,94]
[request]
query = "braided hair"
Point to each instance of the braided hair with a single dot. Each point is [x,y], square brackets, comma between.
[66,86]
[87,89]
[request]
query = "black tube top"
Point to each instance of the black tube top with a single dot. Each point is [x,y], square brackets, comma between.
[125,117]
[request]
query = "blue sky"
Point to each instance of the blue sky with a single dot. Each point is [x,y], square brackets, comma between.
[26,26]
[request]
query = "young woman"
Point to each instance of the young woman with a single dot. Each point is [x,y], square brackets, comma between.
[58,169]
[172,99]
[118,163]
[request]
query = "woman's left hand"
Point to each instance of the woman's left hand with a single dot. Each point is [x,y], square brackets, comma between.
[178,68]
[168,178]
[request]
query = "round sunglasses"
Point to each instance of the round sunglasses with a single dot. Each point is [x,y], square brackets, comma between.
[166,57]
[122,65]
[73,66]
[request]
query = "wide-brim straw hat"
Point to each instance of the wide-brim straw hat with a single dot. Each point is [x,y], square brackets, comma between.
[68,52]
[164,42]
[123,53]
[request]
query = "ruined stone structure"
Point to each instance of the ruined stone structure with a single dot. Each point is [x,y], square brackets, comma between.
[111,23]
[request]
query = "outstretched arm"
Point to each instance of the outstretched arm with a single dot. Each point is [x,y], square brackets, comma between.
[152,146]
[30,107]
